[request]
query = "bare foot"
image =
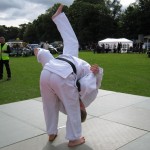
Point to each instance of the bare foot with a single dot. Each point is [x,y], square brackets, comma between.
[76,142]
[59,10]
[52,137]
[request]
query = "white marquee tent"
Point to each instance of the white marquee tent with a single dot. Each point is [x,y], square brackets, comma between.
[126,44]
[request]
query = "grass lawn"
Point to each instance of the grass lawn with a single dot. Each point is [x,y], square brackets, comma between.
[127,73]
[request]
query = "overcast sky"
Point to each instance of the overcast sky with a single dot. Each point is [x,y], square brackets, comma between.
[16,12]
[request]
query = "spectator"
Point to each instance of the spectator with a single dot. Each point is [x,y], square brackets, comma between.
[4,58]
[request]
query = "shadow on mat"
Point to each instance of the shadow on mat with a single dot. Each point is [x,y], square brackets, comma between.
[64,146]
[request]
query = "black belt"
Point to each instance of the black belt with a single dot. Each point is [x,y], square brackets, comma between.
[74,70]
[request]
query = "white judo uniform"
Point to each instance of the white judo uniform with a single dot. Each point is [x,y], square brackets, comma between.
[58,83]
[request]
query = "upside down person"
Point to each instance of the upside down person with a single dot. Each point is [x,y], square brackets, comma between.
[58,83]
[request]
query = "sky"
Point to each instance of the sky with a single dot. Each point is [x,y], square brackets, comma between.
[16,12]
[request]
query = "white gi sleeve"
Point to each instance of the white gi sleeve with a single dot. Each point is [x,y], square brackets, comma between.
[89,84]
[70,41]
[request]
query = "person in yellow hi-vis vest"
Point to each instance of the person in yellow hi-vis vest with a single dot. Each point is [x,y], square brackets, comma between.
[4,58]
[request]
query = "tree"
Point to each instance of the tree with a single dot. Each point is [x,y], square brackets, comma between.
[12,32]
[90,21]
[115,8]
[130,22]
[22,28]
[144,11]
[30,35]
[3,31]
[135,19]
[44,27]
[9,33]
[90,1]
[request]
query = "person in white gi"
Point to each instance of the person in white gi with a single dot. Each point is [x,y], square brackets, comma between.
[58,83]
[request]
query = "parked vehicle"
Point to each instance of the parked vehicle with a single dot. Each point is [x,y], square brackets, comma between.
[32,46]
[52,49]
[16,48]
[58,45]
[16,44]
[26,52]
[60,48]
[15,52]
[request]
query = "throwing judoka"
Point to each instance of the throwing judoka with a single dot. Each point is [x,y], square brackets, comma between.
[58,83]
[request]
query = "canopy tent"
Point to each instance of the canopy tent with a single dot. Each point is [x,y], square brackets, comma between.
[126,44]
[112,40]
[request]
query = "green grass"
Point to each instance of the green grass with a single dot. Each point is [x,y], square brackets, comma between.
[25,80]
[127,73]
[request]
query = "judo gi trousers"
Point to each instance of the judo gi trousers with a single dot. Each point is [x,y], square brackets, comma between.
[54,89]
